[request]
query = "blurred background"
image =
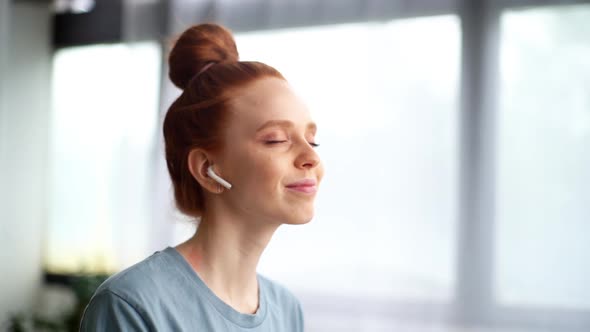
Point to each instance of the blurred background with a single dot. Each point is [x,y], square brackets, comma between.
[455,135]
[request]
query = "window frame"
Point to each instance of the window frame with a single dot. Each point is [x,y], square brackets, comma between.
[480,32]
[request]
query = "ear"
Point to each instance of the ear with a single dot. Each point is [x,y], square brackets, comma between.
[198,161]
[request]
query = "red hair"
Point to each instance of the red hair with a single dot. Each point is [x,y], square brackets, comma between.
[196,118]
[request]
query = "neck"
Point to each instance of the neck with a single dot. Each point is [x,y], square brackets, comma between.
[224,252]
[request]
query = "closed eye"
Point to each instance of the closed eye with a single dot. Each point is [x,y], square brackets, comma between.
[313,144]
[274,142]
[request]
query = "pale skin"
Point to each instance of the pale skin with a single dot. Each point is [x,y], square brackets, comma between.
[268,147]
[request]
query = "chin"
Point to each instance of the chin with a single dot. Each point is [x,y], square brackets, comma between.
[299,220]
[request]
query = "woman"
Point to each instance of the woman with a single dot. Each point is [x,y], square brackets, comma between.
[240,153]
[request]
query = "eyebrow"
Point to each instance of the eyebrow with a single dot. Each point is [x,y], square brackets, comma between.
[284,123]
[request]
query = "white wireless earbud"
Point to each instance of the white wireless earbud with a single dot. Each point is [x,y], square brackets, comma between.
[217,178]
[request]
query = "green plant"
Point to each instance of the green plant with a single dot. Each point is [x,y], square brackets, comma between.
[83,287]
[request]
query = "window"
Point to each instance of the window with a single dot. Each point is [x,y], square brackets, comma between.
[386,98]
[102,137]
[387,114]
[543,192]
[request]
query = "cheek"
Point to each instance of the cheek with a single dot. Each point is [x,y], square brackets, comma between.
[268,170]
[258,171]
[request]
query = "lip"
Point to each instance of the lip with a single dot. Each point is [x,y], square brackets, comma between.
[307,186]
[303,183]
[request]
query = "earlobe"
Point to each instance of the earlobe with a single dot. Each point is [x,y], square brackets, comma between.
[201,169]
[217,178]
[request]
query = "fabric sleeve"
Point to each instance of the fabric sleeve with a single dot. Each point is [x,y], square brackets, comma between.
[109,312]
[300,320]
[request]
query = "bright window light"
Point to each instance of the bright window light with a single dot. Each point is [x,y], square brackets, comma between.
[102,139]
[384,96]
[543,196]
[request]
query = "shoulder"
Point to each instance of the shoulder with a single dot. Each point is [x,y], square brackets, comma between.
[145,275]
[276,292]
[279,295]
[125,297]
[282,299]
[109,312]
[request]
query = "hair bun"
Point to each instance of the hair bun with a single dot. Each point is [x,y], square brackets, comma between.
[198,46]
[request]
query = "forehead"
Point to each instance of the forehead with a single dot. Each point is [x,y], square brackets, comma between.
[268,99]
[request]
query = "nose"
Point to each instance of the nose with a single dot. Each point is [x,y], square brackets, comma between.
[307,157]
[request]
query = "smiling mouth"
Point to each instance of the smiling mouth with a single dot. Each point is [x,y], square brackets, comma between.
[306,189]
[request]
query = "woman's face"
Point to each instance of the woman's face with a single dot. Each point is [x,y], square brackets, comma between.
[269,155]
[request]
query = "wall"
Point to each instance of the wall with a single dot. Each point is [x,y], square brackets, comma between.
[25,67]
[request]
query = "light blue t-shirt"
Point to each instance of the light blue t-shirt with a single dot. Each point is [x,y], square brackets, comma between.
[163,293]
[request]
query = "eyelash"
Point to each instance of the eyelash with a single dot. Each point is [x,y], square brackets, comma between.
[315,145]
